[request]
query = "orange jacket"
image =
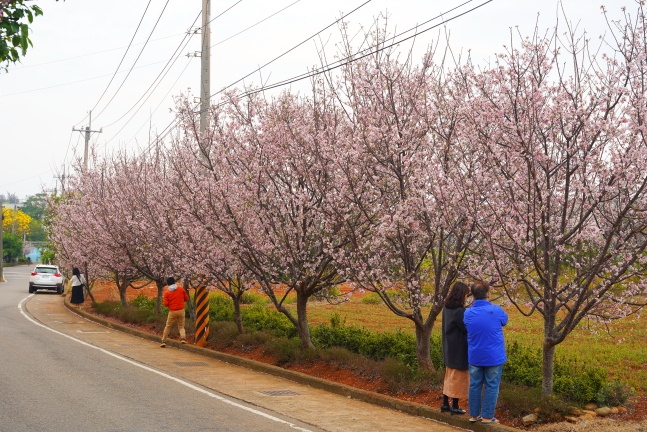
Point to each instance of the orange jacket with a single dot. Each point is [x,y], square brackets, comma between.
[174,297]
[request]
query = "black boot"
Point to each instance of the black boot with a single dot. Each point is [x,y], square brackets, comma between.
[445,406]
[455,409]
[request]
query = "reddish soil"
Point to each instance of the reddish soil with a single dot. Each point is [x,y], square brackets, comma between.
[104,291]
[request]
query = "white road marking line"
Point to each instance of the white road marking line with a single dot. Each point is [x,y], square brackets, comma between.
[163,374]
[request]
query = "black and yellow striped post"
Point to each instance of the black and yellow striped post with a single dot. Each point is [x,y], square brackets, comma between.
[201,315]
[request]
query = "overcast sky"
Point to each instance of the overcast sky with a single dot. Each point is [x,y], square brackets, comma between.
[78,46]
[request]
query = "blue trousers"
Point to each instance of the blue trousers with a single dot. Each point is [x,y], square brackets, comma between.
[484,390]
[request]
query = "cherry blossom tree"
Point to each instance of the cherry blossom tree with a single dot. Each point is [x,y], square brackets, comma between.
[84,234]
[409,234]
[264,168]
[557,129]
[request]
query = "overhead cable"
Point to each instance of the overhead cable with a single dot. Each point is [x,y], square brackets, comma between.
[135,62]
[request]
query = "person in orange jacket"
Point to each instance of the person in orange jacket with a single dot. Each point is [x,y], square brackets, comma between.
[174,298]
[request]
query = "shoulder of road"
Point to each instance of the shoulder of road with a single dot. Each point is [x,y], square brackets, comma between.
[348,392]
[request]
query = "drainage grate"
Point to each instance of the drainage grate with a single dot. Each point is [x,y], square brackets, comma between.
[183,364]
[279,393]
[129,345]
[92,331]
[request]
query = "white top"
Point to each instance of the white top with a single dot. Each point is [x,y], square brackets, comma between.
[76,281]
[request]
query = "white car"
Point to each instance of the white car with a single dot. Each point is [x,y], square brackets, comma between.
[48,277]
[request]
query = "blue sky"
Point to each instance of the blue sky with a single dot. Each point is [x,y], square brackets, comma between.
[79,44]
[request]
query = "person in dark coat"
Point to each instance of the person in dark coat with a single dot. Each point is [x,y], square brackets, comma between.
[457,377]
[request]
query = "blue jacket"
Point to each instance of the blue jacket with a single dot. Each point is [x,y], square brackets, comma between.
[485,345]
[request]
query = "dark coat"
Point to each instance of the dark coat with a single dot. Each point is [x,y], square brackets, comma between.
[454,339]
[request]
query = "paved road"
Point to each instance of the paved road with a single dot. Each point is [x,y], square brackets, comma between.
[61,371]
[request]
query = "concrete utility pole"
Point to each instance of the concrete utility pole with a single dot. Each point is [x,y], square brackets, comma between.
[88,131]
[205,72]
[201,293]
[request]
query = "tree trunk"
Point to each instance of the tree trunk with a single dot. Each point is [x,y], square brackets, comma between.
[160,297]
[423,344]
[302,319]
[547,368]
[122,295]
[238,318]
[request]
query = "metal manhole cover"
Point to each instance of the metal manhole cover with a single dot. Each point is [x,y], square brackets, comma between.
[279,393]
[191,364]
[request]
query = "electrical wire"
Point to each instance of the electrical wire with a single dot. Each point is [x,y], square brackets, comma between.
[337,64]
[348,60]
[161,76]
[254,25]
[171,61]
[89,54]
[370,50]
[73,82]
[125,53]
[294,47]
[135,62]
[221,14]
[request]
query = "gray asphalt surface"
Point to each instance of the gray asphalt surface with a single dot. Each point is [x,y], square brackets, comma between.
[63,372]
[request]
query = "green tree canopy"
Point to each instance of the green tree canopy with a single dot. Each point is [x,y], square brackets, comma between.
[35,206]
[11,247]
[15,17]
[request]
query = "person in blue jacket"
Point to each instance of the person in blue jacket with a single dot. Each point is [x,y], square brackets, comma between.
[485,352]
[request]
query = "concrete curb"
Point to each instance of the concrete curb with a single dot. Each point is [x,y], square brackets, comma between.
[304,379]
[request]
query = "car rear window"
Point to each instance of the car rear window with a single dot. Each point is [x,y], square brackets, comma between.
[48,270]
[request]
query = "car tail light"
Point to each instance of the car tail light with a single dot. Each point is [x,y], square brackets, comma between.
[57,275]
[34,273]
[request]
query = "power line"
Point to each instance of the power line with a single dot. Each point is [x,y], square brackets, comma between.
[171,61]
[370,50]
[254,25]
[125,53]
[161,76]
[151,115]
[222,13]
[89,54]
[348,60]
[351,59]
[295,47]
[136,60]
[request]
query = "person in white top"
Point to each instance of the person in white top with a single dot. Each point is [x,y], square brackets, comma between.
[78,285]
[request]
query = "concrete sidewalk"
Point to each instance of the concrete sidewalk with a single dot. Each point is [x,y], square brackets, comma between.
[323,404]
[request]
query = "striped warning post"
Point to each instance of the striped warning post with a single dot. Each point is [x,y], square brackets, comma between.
[201,316]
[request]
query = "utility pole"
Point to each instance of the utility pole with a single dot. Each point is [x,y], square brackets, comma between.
[205,71]
[201,293]
[61,178]
[88,132]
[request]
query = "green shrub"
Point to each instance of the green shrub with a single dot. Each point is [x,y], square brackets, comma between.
[249,341]
[581,385]
[221,334]
[518,400]
[221,308]
[336,320]
[615,393]
[572,380]
[371,298]
[377,346]
[108,308]
[250,297]
[284,350]
[523,366]
[258,317]
[401,378]
[133,315]
[143,302]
